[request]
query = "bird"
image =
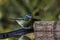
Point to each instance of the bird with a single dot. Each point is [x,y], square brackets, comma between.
[24,22]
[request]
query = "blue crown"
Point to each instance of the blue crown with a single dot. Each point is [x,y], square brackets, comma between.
[29,15]
[26,18]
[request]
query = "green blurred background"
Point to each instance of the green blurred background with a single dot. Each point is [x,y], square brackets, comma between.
[45,9]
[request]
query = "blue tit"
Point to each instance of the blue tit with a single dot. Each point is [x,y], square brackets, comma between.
[24,22]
